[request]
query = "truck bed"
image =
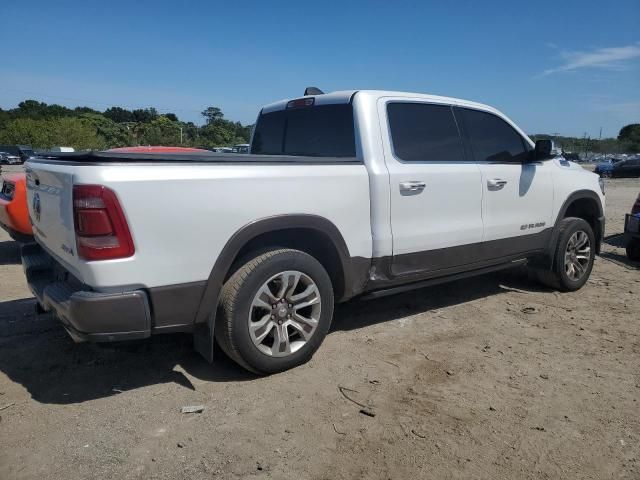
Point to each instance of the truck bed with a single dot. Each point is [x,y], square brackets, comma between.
[180,218]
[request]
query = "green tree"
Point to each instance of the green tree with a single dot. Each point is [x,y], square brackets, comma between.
[115,127]
[81,110]
[5,116]
[119,115]
[49,132]
[190,133]
[35,109]
[212,115]
[160,131]
[217,134]
[114,134]
[630,136]
[630,132]
[145,115]
[30,109]
[57,111]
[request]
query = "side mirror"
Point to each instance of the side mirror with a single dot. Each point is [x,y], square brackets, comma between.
[544,150]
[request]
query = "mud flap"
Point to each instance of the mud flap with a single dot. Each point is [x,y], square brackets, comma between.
[204,338]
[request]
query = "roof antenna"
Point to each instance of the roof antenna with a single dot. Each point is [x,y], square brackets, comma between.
[313,91]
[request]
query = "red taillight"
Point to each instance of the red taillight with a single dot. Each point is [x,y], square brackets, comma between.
[101,228]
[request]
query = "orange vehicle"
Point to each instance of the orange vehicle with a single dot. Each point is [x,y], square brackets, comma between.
[14,213]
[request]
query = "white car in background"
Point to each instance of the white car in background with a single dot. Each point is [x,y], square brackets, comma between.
[9,159]
[62,149]
[241,148]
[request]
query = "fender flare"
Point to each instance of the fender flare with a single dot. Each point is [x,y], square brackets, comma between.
[238,240]
[577,195]
[204,323]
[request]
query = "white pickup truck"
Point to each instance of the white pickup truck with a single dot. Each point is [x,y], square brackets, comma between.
[353,193]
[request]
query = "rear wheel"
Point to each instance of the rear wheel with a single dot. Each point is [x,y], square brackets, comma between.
[275,311]
[633,249]
[573,256]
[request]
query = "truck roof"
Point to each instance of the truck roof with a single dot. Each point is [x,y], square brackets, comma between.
[345,96]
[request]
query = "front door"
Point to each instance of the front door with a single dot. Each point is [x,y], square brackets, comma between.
[436,190]
[517,201]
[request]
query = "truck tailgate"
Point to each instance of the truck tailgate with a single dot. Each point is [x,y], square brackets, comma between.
[50,198]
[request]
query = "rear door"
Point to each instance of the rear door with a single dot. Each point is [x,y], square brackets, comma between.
[517,200]
[436,192]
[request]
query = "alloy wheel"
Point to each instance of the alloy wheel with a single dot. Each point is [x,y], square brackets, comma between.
[284,313]
[577,255]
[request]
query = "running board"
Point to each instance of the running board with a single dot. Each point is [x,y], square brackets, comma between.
[435,281]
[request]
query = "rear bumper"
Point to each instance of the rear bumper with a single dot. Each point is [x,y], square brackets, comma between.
[87,315]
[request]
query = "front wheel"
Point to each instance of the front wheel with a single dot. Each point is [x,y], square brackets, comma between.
[275,311]
[573,256]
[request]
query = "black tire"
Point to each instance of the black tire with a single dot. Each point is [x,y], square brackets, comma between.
[556,277]
[633,249]
[232,322]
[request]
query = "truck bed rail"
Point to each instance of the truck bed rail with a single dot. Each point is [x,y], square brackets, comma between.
[96,157]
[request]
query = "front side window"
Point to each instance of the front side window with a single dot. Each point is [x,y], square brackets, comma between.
[422,132]
[316,131]
[492,139]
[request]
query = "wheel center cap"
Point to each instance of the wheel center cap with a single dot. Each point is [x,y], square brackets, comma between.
[282,311]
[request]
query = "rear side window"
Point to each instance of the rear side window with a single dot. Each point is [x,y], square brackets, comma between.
[423,132]
[492,139]
[316,131]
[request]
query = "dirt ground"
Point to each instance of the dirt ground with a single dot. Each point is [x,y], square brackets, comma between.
[492,377]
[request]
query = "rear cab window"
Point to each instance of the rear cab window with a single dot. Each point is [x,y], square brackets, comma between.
[314,131]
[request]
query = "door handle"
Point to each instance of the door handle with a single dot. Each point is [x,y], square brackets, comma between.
[496,183]
[413,186]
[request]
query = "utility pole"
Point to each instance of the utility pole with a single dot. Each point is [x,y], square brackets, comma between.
[586,144]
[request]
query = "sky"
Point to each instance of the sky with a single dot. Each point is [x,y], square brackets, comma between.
[566,67]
